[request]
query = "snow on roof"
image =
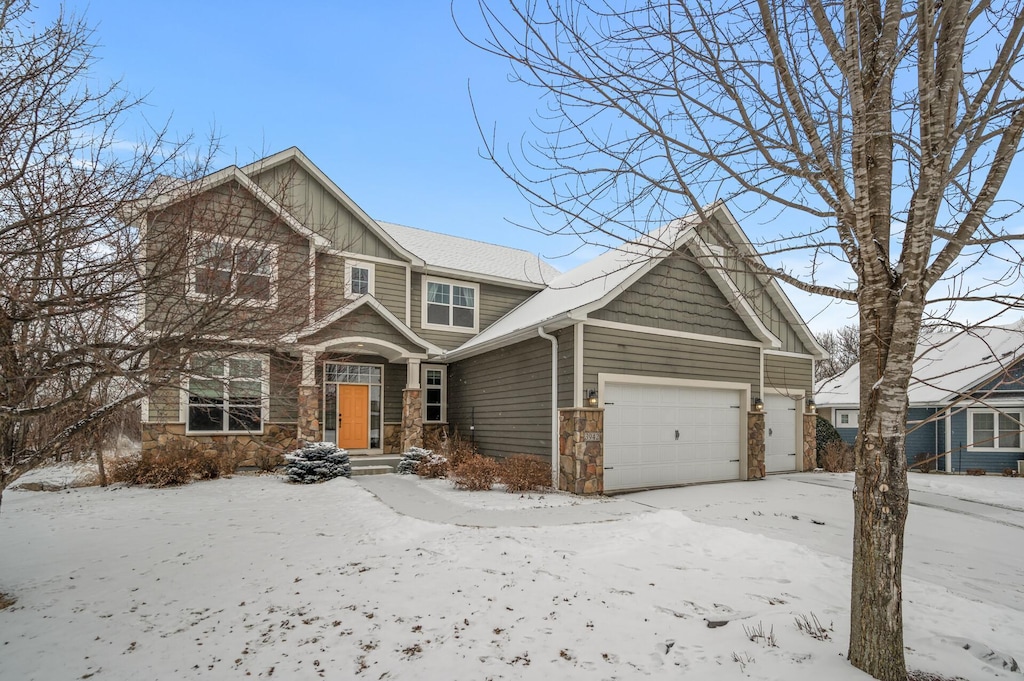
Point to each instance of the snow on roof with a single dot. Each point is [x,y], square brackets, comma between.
[585,284]
[948,363]
[469,255]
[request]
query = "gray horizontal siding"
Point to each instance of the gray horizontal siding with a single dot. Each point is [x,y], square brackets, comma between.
[285,376]
[624,352]
[784,372]
[506,395]
[164,406]
[389,288]
[330,283]
[677,295]
[566,348]
[315,207]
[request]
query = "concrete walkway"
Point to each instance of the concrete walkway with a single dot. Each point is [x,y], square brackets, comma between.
[405,496]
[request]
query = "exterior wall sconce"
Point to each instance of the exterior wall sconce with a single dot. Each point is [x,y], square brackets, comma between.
[591,397]
[758,404]
[812,408]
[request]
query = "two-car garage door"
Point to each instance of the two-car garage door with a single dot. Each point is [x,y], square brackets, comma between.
[658,435]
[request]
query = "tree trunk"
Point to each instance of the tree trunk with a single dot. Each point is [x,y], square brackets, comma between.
[101,470]
[889,332]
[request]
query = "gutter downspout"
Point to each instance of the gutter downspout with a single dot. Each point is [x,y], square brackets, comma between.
[554,404]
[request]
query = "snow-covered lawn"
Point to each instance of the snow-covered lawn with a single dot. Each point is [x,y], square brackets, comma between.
[254,577]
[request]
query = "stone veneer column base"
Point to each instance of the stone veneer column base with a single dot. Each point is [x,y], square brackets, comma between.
[810,442]
[755,445]
[412,418]
[308,429]
[581,450]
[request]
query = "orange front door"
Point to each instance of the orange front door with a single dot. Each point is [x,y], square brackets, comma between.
[353,416]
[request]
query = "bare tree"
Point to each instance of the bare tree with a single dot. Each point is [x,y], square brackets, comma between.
[879,134]
[843,347]
[84,331]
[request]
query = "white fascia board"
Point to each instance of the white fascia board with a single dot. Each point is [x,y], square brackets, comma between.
[294,153]
[732,293]
[371,302]
[476,276]
[550,324]
[741,242]
[224,175]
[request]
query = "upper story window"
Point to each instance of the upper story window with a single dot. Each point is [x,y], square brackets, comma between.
[239,269]
[226,394]
[990,429]
[358,278]
[450,305]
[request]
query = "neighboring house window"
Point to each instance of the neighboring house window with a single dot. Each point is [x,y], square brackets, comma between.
[434,384]
[990,429]
[358,278]
[226,394]
[846,418]
[239,269]
[450,305]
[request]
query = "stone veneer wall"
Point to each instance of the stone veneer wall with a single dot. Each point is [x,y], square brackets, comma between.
[810,442]
[392,443]
[755,445]
[276,437]
[309,414]
[581,450]
[412,418]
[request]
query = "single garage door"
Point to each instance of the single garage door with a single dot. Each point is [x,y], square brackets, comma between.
[659,435]
[779,433]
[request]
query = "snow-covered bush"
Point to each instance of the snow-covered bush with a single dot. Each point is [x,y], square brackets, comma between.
[318,461]
[411,460]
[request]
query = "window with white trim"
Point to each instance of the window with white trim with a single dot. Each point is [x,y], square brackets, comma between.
[846,418]
[358,278]
[239,269]
[435,382]
[227,394]
[990,429]
[450,305]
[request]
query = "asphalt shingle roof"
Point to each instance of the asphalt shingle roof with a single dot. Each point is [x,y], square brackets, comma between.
[469,255]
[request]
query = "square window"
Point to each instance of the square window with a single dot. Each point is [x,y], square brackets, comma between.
[449,305]
[226,394]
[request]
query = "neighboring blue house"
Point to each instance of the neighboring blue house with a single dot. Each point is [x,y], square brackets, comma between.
[966,400]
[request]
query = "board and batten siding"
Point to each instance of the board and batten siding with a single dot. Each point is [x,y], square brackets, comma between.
[315,206]
[788,373]
[506,395]
[677,295]
[495,302]
[615,351]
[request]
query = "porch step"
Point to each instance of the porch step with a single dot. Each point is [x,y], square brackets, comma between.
[371,470]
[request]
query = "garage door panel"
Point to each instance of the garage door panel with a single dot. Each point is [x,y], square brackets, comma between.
[667,434]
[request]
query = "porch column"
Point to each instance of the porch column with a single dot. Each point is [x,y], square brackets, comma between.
[810,441]
[581,450]
[308,427]
[412,408]
[755,445]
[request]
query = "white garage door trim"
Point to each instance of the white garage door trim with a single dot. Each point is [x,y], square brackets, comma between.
[742,399]
[794,401]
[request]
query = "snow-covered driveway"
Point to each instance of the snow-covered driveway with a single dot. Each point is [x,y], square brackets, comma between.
[252,577]
[965,534]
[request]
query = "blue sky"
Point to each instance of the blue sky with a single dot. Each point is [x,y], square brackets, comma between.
[375,93]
